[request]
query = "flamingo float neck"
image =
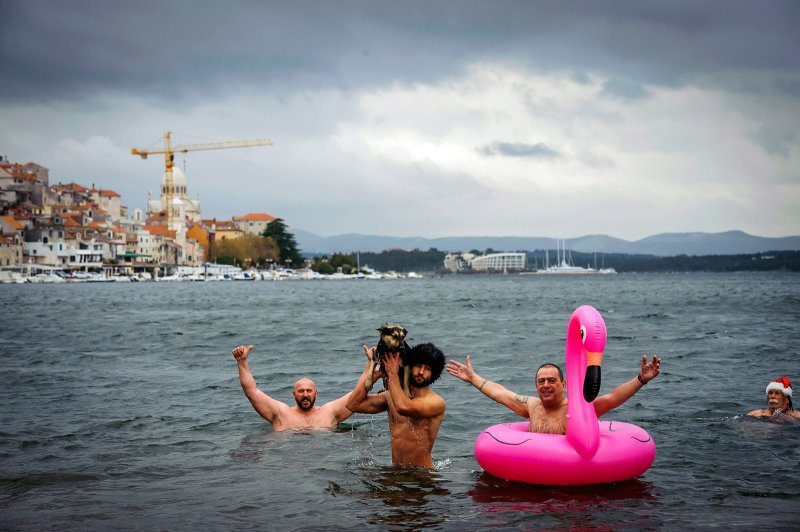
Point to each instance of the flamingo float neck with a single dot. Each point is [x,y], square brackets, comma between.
[586,340]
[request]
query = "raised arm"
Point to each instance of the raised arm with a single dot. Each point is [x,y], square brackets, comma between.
[492,390]
[359,399]
[266,406]
[422,407]
[338,407]
[626,390]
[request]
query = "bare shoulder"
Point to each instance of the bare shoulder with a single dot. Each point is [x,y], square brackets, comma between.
[438,401]
[533,405]
[759,412]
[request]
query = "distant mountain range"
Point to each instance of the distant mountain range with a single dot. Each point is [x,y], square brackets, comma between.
[665,244]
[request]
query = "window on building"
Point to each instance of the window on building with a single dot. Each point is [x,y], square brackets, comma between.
[44,240]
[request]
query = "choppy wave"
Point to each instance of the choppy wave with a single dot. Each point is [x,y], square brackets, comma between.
[129,414]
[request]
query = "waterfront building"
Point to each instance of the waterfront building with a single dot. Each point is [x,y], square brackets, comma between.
[204,239]
[158,241]
[10,250]
[458,262]
[254,223]
[223,229]
[499,262]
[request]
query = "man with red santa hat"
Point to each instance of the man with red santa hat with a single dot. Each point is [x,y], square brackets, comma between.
[779,401]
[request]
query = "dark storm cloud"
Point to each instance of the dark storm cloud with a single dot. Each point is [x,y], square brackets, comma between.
[515,149]
[176,49]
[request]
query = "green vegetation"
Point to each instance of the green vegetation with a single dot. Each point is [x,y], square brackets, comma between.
[326,266]
[249,250]
[432,261]
[289,255]
[403,261]
[397,260]
[766,261]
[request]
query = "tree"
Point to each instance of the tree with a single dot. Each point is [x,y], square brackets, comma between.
[322,265]
[249,250]
[287,245]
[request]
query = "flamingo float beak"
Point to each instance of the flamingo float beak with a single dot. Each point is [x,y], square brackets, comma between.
[591,381]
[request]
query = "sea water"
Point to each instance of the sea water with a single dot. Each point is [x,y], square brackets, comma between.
[120,405]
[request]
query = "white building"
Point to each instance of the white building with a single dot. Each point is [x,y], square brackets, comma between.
[191,208]
[499,262]
[457,262]
[254,223]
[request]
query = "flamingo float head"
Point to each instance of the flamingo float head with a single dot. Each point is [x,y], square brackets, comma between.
[586,340]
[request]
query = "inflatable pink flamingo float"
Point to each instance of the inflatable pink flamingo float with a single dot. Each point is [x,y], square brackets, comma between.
[592,452]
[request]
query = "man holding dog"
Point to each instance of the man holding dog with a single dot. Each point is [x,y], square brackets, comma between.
[305,415]
[413,421]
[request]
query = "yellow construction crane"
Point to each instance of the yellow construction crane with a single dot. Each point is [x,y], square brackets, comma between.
[169,152]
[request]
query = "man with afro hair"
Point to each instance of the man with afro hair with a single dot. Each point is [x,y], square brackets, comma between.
[413,421]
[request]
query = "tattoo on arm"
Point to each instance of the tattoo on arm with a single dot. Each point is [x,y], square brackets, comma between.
[522,399]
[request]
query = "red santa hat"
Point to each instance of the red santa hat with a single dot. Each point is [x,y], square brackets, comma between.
[782,384]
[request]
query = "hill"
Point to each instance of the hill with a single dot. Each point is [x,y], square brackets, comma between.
[663,245]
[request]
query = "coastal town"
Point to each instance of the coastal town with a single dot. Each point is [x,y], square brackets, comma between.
[69,232]
[52,232]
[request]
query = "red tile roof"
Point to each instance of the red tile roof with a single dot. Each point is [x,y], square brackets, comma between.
[255,217]
[13,223]
[16,170]
[70,187]
[159,230]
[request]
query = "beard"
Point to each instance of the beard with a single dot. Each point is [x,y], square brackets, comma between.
[414,383]
[305,404]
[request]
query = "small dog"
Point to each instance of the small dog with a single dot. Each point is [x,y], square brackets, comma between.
[393,340]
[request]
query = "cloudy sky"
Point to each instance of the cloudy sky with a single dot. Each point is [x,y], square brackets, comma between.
[422,118]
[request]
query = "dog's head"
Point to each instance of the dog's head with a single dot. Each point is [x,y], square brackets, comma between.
[393,337]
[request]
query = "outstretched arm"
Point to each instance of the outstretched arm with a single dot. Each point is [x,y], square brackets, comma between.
[492,390]
[625,391]
[339,408]
[266,406]
[359,399]
[421,407]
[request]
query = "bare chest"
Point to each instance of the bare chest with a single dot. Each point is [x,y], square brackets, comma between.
[293,420]
[548,422]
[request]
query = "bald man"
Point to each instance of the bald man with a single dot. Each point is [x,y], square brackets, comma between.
[283,417]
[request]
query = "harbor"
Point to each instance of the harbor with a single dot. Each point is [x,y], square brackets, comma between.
[34,274]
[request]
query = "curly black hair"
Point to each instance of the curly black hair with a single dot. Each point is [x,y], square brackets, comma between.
[431,356]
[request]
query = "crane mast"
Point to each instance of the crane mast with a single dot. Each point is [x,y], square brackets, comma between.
[169,161]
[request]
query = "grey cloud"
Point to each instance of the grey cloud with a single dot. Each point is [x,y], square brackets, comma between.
[776,139]
[515,149]
[581,77]
[623,89]
[178,49]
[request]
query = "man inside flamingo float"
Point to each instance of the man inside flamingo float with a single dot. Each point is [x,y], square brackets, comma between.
[779,402]
[548,412]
